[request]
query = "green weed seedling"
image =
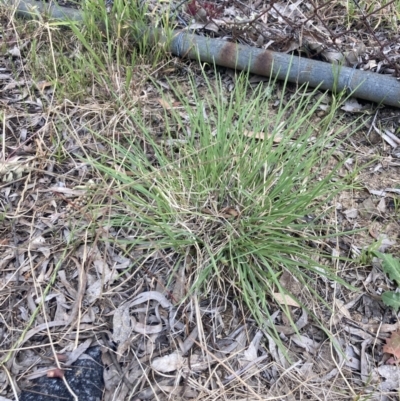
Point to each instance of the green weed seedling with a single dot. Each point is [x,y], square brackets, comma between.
[391,266]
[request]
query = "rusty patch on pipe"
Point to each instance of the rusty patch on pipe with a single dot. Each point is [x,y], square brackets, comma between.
[228,54]
[262,64]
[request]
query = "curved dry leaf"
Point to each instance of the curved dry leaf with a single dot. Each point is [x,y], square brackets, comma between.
[181,391]
[63,278]
[382,205]
[31,333]
[303,320]
[122,327]
[352,106]
[251,352]
[326,378]
[111,378]
[190,340]
[179,290]
[351,213]
[285,299]
[145,329]
[15,51]
[37,242]
[239,372]
[229,346]
[14,167]
[45,251]
[199,363]
[67,192]
[79,352]
[96,289]
[48,297]
[365,371]
[36,374]
[392,376]
[151,296]
[276,353]
[152,391]
[61,309]
[340,311]
[355,331]
[352,357]
[168,363]
[307,343]
[392,345]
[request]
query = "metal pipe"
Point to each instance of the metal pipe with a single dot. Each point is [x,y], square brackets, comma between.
[361,84]
[32,9]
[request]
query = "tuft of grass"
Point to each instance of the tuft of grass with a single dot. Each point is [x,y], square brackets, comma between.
[246,209]
[102,52]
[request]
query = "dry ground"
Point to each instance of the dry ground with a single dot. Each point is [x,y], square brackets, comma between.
[55,247]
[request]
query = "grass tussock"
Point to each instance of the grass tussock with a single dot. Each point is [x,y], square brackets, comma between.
[247,209]
[241,188]
[95,58]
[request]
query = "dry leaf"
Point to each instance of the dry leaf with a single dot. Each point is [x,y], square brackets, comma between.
[15,52]
[385,243]
[285,299]
[209,26]
[43,85]
[392,376]
[198,363]
[61,309]
[352,359]
[151,295]
[306,343]
[251,353]
[351,105]
[108,275]
[145,329]
[382,205]
[79,352]
[367,208]
[340,311]
[351,213]
[168,105]
[121,324]
[392,345]
[276,353]
[168,363]
[332,56]
[290,283]
[229,212]
[67,191]
[14,167]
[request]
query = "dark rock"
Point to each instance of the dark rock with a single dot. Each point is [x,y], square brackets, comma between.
[85,377]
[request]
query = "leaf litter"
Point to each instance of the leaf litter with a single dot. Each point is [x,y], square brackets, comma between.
[153,346]
[145,332]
